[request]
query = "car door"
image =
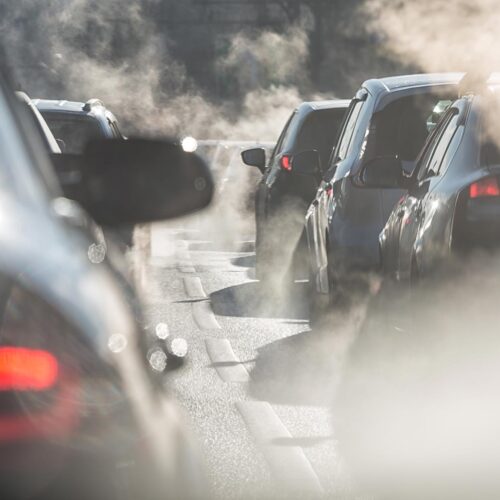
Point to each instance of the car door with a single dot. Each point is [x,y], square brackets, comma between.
[416,211]
[325,191]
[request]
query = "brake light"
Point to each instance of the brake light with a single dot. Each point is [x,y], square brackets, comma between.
[27,369]
[286,163]
[484,188]
[329,191]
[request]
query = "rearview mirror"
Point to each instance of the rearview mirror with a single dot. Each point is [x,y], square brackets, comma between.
[136,180]
[383,172]
[255,157]
[306,163]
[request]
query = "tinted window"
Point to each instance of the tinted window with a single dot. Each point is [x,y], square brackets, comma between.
[282,138]
[319,131]
[438,147]
[401,128]
[74,130]
[344,144]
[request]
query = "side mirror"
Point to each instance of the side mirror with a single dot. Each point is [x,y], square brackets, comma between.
[383,172]
[255,157]
[136,180]
[307,163]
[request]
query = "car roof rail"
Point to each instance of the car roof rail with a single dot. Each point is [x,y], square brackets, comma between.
[474,83]
[92,102]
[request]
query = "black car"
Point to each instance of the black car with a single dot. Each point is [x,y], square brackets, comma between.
[285,192]
[453,198]
[83,409]
[388,121]
[75,123]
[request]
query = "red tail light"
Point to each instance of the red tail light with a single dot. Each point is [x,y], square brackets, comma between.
[484,188]
[24,369]
[286,162]
[329,191]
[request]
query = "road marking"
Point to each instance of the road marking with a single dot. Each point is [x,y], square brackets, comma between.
[226,363]
[194,288]
[204,316]
[288,464]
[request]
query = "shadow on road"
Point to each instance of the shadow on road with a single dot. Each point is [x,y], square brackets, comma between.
[250,300]
[246,261]
[305,369]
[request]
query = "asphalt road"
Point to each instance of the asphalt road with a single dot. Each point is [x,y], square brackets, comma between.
[258,385]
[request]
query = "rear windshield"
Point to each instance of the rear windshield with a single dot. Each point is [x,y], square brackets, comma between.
[401,128]
[320,131]
[74,130]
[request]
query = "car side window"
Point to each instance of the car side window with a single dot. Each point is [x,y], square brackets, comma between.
[437,149]
[347,133]
[281,139]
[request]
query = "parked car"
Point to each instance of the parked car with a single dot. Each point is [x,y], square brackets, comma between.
[452,202]
[284,192]
[76,123]
[82,413]
[388,118]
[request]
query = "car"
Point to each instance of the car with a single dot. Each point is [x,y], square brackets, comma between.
[452,203]
[83,408]
[388,118]
[75,123]
[284,192]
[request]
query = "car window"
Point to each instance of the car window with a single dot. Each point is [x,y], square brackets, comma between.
[401,128]
[319,131]
[437,113]
[282,138]
[437,148]
[347,132]
[74,130]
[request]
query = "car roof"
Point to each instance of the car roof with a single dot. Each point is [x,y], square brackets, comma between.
[330,104]
[92,107]
[396,83]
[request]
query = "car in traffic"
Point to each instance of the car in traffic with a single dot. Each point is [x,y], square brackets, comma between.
[388,118]
[452,203]
[289,183]
[83,409]
[76,123]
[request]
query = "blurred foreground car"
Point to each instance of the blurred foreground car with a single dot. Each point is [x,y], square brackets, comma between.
[283,194]
[82,413]
[453,199]
[388,121]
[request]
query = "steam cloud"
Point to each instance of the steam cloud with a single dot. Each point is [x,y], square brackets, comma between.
[438,35]
[128,64]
